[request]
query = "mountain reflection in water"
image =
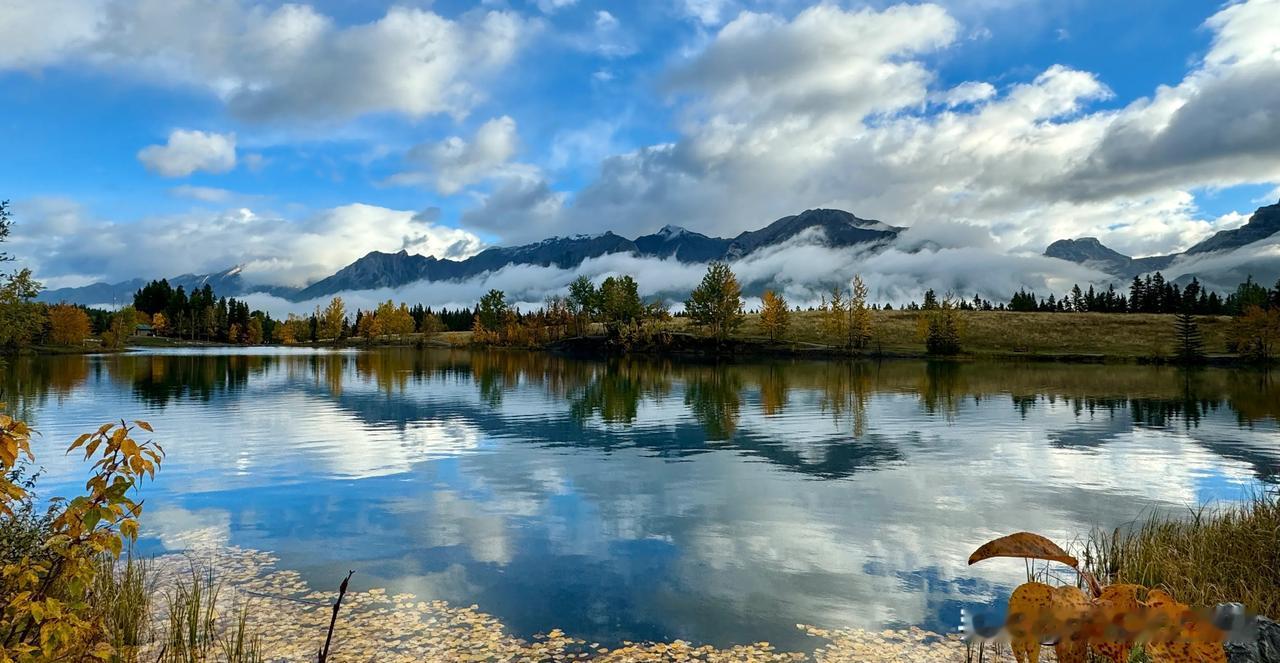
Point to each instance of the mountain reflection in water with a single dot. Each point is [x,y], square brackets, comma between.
[641,499]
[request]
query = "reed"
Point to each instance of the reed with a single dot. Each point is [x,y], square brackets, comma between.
[122,593]
[1216,554]
[194,632]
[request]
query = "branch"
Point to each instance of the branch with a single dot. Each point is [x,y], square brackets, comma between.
[342,591]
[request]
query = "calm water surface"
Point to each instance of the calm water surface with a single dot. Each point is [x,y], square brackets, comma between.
[655,500]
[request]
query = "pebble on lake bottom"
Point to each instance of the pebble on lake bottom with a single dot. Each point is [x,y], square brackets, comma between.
[291,618]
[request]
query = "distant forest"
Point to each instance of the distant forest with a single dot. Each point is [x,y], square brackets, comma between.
[202,315]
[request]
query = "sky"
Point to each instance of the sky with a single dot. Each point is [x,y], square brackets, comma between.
[158,137]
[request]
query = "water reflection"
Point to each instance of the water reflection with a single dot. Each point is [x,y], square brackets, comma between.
[635,499]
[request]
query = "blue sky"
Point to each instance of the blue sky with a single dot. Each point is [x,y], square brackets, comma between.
[193,133]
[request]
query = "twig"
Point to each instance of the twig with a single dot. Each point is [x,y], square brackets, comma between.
[333,620]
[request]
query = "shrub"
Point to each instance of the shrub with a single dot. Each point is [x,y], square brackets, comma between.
[48,606]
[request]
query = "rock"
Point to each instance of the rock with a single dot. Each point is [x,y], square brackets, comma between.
[1264,648]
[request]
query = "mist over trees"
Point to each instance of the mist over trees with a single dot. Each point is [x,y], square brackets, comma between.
[612,309]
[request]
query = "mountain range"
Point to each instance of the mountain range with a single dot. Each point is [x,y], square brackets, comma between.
[834,228]
[377,269]
[1090,252]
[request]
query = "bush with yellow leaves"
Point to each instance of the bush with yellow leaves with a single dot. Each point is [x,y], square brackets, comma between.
[47,608]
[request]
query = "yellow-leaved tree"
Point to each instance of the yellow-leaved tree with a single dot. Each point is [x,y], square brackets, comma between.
[834,316]
[859,327]
[46,603]
[774,317]
[333,320]
[68,325]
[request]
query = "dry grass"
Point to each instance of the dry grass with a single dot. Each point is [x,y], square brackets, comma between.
[1219,555]
[1101,336]
[1104,335]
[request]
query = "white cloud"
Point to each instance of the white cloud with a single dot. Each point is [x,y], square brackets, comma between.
[838,108]
[706,12]
[29,39]
[189,151]
[272,250]
[454,163]
[553,6]
[206,194]
[269,62]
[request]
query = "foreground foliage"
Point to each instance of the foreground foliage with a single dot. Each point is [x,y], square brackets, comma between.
[48,607]
[1219,555]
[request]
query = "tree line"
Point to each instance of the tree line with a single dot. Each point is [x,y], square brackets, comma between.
[614,308]
[1152,294]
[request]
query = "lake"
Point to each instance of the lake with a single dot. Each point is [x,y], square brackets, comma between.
[646,499]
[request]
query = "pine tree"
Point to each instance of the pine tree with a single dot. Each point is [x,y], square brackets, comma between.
[1190,341]
[941,327]
[717,302]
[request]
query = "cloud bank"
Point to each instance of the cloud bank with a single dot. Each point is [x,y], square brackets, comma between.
[272,250]
[838,108]
[270,62]
[802,269]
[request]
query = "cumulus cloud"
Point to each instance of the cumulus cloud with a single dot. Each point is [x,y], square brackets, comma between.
[189,151]
[454,163]
[270,62]
[522,207]
[838,108]
[29,40]
[271,249]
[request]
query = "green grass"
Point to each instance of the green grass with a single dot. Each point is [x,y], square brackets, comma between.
[122,594]
[195,631]
[1215,555]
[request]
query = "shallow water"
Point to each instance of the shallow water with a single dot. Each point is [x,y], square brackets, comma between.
[638,500]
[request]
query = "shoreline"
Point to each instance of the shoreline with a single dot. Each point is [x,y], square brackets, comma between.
[1067,338]
[289,616]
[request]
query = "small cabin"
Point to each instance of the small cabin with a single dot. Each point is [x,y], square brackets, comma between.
[144,330]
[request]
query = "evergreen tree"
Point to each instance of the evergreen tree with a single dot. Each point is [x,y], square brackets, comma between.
[492,311]
[1190,342]
[717,302]
[619,302]
[941,327]
[1137,294]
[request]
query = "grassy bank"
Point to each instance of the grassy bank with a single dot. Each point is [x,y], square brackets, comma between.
[1219,555]
[1110,336]
[1074,337]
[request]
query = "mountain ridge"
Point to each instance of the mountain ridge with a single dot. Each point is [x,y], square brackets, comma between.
[835,228]
[378,269]
[1089,251]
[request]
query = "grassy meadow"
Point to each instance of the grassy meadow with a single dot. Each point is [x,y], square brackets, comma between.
[1001,333]
[991,334]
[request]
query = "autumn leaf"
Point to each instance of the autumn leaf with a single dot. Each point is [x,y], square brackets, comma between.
[1025,545]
